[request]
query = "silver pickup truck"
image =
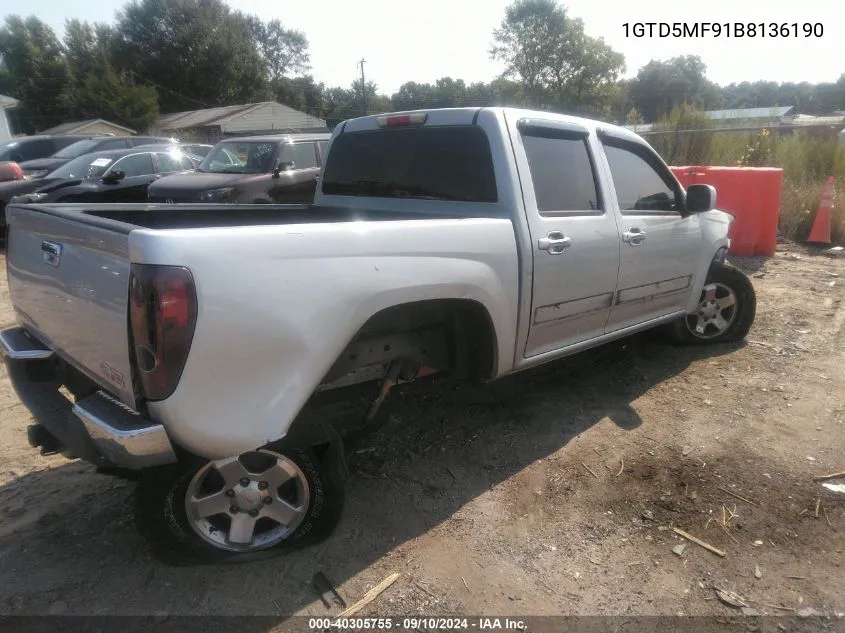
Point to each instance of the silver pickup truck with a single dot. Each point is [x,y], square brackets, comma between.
[183,343]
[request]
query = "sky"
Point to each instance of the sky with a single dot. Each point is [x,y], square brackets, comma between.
[422,40]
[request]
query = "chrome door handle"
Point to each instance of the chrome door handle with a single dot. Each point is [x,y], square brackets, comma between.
[634,236]
[555,242]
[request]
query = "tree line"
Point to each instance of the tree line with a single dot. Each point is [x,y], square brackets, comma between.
[163,56]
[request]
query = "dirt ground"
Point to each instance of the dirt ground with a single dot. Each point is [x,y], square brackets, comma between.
[550,492]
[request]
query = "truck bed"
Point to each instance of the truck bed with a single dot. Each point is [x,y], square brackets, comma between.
[125,217]
[280,292]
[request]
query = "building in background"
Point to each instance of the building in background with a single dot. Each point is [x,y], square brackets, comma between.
[267,117]
[5,129]
[91,126]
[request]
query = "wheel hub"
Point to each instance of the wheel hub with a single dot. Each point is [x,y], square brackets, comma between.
[716,312]
[249,502]
[249,498]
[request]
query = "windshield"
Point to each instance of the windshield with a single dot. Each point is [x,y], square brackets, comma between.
[241,157]
[82,168]
[76,149]
[7,149]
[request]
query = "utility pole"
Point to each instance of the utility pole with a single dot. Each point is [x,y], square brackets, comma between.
[363,86]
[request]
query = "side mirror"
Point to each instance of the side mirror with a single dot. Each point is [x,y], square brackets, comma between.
[700,198]
[285,165]
[114,176]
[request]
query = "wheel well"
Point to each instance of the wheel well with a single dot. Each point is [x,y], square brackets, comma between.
[448,335]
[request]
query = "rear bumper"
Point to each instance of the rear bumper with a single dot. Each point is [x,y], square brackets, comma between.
[97,428]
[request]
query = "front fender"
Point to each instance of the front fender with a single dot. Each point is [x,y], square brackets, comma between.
[715,244]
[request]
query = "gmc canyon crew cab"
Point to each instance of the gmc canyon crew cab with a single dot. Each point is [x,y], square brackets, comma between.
[188,342]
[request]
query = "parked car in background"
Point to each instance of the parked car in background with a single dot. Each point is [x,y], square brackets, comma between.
[25,148]
[197,149]
[10,170]
[43,166]
[257,169]
[121,175]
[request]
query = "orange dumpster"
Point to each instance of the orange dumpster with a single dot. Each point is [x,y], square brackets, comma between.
[751,194]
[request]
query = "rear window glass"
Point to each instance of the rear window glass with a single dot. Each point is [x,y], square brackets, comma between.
[429,163]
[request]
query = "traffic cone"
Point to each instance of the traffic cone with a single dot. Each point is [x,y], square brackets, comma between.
[820,233]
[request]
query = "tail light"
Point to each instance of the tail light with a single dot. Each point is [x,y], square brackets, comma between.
[402,120]
[16,171]
[162,317]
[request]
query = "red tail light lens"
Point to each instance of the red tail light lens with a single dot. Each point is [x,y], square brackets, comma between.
[16,171]
[162,317]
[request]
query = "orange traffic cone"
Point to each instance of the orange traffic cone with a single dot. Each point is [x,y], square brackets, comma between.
[820,233]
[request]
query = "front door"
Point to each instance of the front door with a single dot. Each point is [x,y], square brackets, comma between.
[573,233]
[139,173]
[299,184]
[660,247]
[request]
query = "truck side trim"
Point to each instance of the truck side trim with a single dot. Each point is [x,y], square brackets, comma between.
[647,292]
[573,308]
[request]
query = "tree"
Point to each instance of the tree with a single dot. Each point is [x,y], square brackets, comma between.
[199,53]
[285,51]
[302,93]
[33,71]
[112,95]
[662,85]
[94,88]
[558,64]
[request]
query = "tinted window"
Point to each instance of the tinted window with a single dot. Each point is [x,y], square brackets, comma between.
[198,150]
[77,149]
[61,142]
[173,162]
[303,155]
[562,174]
[135,165]
[641,183]
[118,143]
[444,163]
[135,141]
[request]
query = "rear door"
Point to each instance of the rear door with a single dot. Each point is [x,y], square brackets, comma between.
[573,233]
[659,247]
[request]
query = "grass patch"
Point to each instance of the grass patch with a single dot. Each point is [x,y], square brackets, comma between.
[807,157]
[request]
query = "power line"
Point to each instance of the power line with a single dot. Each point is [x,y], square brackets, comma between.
[363,85]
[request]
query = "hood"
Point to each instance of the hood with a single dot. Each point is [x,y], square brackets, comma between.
[199,181]
[43,163]
[17,187]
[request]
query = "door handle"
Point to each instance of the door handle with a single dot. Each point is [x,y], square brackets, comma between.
[634,236]
[555,242]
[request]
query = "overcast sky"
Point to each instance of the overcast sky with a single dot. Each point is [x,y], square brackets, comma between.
[421,40]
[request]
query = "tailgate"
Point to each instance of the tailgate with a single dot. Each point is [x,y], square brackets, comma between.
[69,284]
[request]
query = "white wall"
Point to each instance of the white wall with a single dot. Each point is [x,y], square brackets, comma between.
[5,131]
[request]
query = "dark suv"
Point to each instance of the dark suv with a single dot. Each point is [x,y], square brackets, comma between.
[43,166]
[24,148]
[255,169]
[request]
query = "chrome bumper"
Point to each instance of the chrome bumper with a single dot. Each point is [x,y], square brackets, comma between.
[97,428]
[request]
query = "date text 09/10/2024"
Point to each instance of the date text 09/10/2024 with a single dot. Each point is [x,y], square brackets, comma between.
[724,29]
[416,623]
